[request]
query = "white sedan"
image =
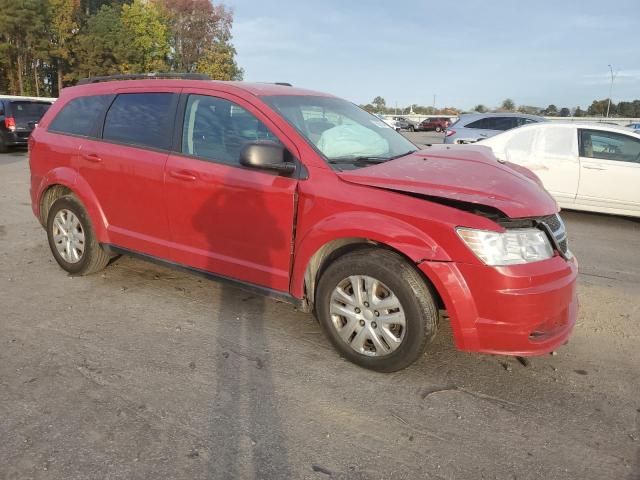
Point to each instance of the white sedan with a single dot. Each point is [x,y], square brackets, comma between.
[585,166]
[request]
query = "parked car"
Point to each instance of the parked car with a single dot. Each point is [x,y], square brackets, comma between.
[437,124]
[353,223]
[389,121]
[634,126]
[403,123]
[18,118]
[475,127]
[585,166]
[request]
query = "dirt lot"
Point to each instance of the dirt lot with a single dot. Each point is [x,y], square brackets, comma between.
[142,372]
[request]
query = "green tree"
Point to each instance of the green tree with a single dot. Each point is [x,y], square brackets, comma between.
[550,111]
[598,108]
[379,103]
[480,108]
[578,112]
[508,105]
[565,112]
[63,26]
[22,43]
[218,61]
[146,36]
[99,47]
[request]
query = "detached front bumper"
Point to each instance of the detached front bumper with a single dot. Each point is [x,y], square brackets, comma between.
[523,310]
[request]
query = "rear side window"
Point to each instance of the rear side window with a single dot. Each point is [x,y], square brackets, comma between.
[482,123]
[143,119]
[80,115]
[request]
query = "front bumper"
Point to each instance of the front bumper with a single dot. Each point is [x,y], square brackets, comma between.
[523,310]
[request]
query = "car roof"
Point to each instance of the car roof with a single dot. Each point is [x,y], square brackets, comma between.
[256,88]
[475,116]
[586,125]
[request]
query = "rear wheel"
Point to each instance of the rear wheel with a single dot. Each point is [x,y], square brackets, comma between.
[376,309]
[438,129]
[412,128]
[3,146]
[72,239]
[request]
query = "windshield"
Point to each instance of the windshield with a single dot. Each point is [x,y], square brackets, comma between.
[346,135]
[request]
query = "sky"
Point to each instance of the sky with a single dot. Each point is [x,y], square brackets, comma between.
[464,52]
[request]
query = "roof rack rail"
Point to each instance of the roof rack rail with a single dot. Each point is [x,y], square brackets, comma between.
[145,76]
[284,84]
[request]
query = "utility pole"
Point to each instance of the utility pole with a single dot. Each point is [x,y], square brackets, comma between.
[434,103]
[613,76]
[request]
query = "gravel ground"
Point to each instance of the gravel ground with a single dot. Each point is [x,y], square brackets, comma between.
[142,372]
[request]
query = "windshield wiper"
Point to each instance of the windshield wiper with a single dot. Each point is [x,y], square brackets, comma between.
[363,159]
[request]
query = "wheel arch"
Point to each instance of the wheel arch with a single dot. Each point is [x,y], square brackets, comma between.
[58,185]
[336,248]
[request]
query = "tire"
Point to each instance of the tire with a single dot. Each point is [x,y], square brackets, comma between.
[393,274]
[412,128]
[92,257]
[438,129]
[3,146]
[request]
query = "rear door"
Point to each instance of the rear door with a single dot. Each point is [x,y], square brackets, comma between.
[609,170]
[125,168]
[225,218]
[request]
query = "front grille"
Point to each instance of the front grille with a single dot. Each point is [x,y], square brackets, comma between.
[556,225]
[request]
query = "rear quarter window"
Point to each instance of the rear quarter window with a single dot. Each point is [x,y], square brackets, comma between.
[80,116]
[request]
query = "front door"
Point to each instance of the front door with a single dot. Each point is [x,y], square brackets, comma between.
[609,170]
[225,218]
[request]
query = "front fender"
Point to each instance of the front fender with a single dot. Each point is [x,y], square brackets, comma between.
[376,227]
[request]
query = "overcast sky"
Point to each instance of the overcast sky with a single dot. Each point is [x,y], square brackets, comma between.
[465,52]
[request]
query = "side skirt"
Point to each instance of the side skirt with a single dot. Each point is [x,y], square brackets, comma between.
[249,287]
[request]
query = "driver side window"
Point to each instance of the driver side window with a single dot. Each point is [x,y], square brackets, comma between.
[609,146]
[216,129]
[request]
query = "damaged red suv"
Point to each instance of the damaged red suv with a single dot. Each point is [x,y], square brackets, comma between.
[307,198]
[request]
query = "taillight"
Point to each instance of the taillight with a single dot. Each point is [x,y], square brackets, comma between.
[448,133]
[10,123]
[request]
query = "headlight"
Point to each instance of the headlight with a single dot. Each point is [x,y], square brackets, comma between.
[515,246]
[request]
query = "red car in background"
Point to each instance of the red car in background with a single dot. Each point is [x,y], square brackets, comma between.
[305,197]
[437,124]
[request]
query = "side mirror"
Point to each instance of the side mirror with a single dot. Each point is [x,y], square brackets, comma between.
[266,155]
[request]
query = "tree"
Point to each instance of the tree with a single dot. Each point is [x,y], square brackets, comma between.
[529,109]
[508,105]
[550,111]
[380,103]
[565,112]
[219,63]
[22,42]
[100,47]
[578,112]
[480,108]
[146,35]
[599,108]
[198,28]
[63,27]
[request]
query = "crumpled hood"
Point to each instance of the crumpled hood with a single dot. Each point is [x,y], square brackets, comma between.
[471,175]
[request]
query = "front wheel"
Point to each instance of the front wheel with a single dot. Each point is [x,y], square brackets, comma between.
[72,239]
[438,129]
[412,128]
[376,309]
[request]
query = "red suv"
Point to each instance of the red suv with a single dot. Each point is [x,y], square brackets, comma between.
[312,200]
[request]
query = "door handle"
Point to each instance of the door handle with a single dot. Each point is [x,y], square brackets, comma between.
[91,157]
[185,175]
[589,167]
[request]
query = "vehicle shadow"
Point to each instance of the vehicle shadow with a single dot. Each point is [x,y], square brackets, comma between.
[246,437]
